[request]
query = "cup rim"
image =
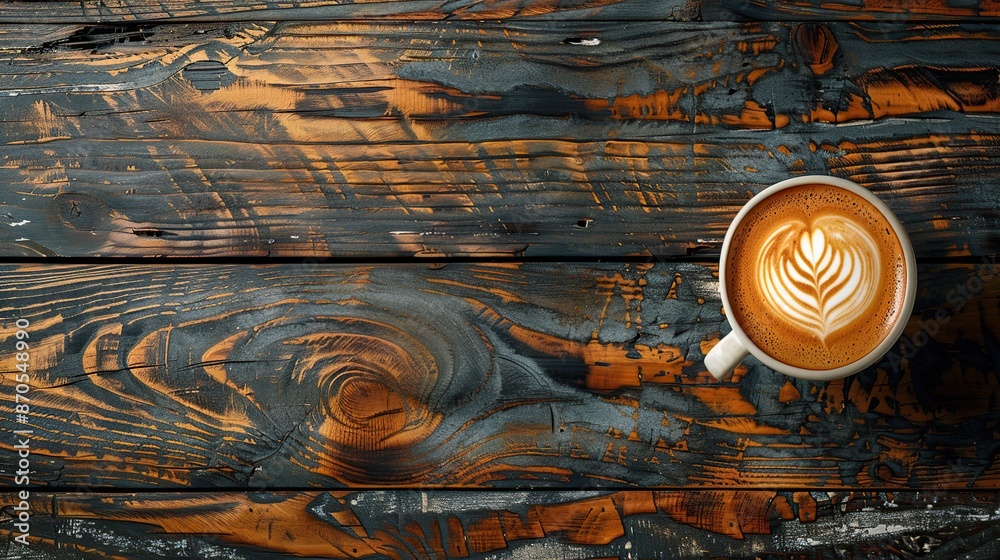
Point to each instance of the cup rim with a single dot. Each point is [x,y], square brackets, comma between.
[908,299]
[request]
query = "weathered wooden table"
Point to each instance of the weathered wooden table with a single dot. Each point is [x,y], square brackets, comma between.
[436,279]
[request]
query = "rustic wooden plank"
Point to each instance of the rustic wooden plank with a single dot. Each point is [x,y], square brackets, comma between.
[552,525]
[483,138]
[476,375]
[871,11]
[132,11]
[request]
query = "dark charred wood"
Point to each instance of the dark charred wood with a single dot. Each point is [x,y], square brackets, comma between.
[478,525]
[476,375]
[581,139]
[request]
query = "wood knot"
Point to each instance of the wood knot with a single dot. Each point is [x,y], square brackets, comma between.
[368,393]
[817,45]
[375,383]
[373,410]
[81,212]
[208,75]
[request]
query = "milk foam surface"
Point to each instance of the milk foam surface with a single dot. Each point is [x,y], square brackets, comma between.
[815,276]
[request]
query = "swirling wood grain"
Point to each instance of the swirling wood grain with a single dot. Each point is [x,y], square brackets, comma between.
[476,375]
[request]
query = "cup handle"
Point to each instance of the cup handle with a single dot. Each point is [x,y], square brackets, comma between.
[723,358]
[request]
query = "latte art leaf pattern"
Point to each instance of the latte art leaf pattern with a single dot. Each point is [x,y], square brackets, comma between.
[819,277]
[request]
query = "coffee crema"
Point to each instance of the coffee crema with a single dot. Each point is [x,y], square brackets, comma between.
[816,276]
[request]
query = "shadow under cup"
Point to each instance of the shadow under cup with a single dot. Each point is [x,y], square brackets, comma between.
[817,277]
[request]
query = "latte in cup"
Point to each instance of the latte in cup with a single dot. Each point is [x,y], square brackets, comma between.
[816,276]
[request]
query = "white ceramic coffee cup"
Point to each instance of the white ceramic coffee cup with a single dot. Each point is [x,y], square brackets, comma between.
[735,346]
